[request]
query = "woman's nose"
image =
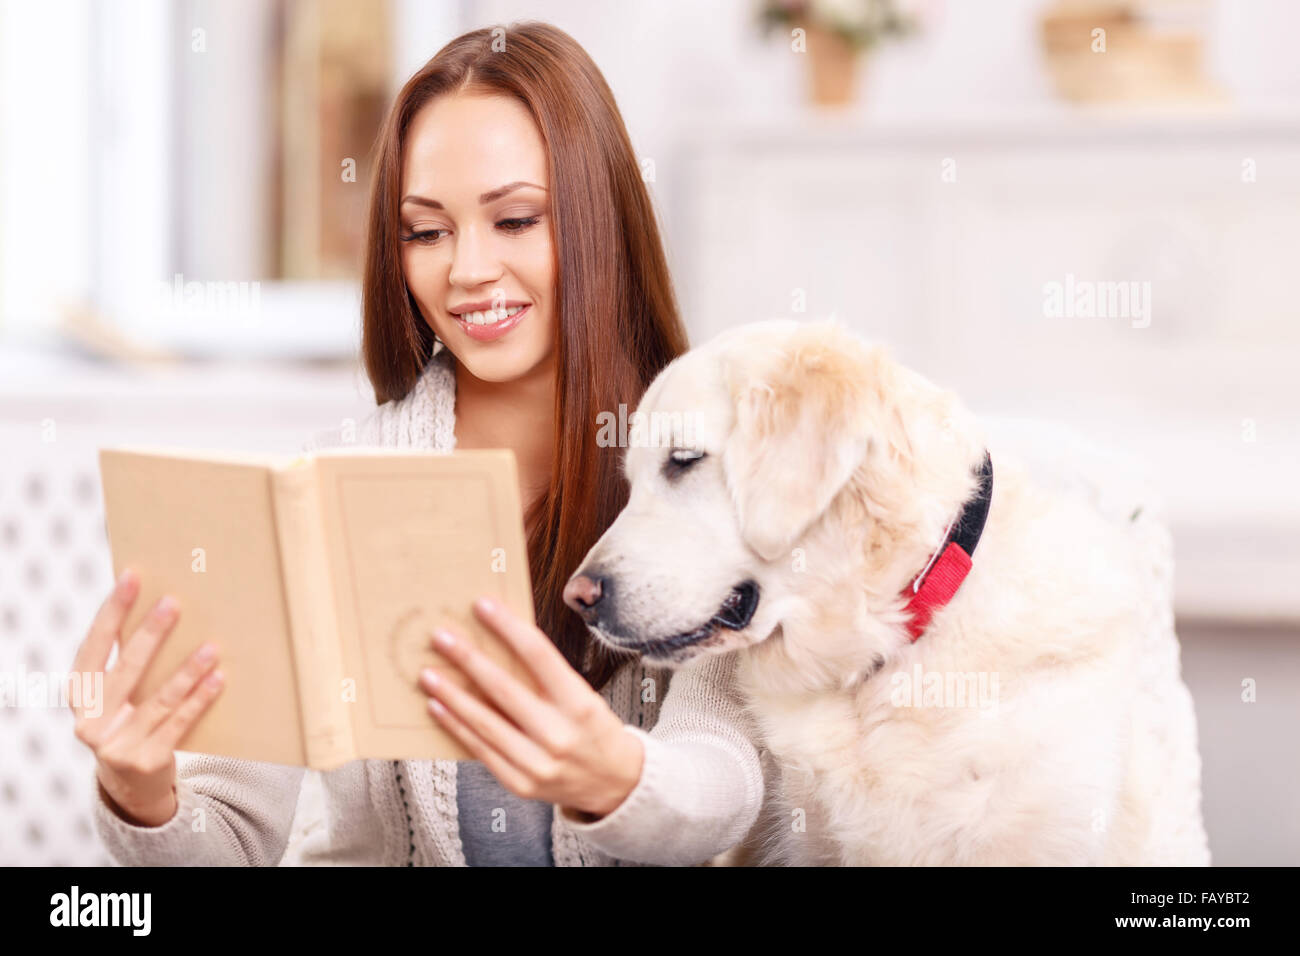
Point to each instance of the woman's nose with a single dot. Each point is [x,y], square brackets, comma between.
[473,261]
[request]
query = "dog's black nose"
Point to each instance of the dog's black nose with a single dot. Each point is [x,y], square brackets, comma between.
[584,594]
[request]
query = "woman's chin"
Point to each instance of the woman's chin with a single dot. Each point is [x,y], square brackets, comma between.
[497,364]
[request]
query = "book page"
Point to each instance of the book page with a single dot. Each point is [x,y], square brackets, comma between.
[317,655]
[413,541]
[203,531]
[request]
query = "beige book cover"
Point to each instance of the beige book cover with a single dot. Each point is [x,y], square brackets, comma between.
[321,578]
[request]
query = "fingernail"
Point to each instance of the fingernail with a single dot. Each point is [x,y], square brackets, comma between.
[443,639]
[437,707]
[215,679]
[206,652]
[166,606]
[429,676]
[486,605]
[127,584]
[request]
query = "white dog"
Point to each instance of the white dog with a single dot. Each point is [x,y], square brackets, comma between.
[943,659]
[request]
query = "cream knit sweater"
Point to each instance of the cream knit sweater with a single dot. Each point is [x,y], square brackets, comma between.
[700,790]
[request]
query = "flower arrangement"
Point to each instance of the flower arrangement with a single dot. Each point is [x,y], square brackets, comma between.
[860,23]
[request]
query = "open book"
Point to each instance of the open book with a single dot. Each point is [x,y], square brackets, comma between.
[321,579]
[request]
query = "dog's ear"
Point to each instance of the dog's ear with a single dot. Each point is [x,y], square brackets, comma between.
[803,424]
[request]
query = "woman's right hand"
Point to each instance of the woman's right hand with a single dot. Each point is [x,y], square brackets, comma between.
[135,744]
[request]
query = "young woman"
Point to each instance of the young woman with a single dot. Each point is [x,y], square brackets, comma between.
[515,286]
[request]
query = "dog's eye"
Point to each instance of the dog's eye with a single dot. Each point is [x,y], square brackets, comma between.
[679,459]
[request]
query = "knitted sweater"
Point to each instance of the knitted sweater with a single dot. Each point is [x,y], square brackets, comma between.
[700,790]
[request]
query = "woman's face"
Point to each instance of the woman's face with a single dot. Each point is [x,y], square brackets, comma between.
[475,214]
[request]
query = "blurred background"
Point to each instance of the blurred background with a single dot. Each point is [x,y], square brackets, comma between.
[1084,216]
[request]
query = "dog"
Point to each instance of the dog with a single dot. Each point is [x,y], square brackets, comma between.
[943,661]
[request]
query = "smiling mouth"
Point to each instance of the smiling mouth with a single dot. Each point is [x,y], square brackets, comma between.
[734,615]
[490,325]
[490,316]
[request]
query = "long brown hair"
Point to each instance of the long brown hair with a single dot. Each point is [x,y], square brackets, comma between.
[618,319]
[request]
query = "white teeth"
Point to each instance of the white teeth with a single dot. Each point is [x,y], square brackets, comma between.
[490,316]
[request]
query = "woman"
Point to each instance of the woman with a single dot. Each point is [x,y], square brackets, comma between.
[515,287]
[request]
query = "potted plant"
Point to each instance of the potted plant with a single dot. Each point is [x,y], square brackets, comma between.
[835,34]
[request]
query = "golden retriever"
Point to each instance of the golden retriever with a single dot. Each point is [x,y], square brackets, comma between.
[794,493]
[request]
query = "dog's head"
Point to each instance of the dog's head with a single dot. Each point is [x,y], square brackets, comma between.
[785,476]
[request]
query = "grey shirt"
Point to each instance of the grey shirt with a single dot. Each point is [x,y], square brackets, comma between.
[498,828]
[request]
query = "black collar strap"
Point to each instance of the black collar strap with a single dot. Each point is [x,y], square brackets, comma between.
[951,561]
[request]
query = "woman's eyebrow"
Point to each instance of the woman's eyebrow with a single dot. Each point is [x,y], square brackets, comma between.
[487,197]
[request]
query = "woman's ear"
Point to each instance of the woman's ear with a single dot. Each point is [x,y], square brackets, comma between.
[802,426]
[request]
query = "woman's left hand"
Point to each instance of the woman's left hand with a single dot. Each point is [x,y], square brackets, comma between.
[564,745]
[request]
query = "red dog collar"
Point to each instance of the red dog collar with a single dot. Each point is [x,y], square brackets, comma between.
[951,561]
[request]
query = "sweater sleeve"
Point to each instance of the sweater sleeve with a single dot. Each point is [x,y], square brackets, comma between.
[701,785]
[230,813]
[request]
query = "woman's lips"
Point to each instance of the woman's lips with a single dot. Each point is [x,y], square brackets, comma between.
[486,333]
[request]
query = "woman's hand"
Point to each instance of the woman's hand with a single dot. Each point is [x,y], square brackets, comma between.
[564,746]
[135,745]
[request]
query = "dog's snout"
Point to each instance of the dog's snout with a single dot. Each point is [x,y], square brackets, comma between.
[585,592]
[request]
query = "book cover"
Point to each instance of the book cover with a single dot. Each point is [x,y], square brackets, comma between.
[321,579]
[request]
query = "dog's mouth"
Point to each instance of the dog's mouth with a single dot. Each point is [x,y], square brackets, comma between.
[734,614]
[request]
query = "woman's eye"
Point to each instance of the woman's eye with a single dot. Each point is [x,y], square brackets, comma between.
[518,225]
[679,460]
[424,237]
[427,237]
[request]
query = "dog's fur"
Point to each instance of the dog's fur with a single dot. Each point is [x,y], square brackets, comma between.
[830,475]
